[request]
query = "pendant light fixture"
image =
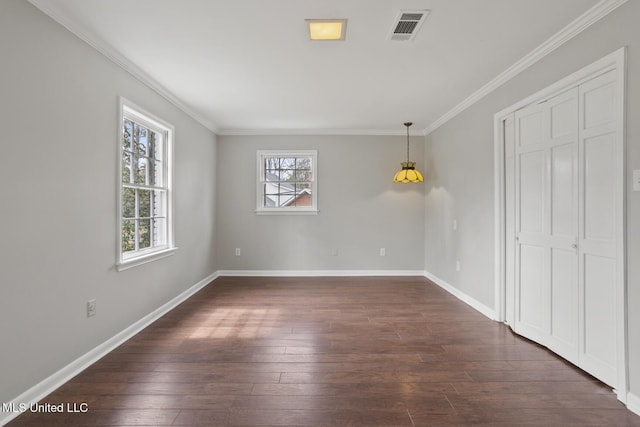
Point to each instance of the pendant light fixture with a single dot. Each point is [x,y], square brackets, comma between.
[408,173]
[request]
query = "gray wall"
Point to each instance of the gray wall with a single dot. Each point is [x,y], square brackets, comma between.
[58,178]
[361,209]
[461,155]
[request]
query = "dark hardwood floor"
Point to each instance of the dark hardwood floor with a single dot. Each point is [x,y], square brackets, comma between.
[367,351]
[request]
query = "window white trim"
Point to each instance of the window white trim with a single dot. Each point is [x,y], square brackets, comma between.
[131,111]
[302,210]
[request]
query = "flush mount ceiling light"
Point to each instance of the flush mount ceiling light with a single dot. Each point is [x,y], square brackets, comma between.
[326,29]
[408,173]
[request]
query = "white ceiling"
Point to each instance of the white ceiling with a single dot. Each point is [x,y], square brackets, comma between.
[246,66]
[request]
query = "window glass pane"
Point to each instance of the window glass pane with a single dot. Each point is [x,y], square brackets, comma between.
[271,175]
[151,143]
[128,203]
[140,170]
[128,235]
[140,139]
[287,169]
[287,163]
[126,139]
[144,232]
[303,175]
[271,169]
[268,200]
[287,174]
[126,167]
[144,203]
[303,195]
[303,163]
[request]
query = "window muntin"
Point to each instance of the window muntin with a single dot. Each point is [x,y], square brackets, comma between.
[144,196]
[287,181]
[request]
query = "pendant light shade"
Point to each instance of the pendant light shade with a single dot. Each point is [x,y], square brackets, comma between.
[408,173]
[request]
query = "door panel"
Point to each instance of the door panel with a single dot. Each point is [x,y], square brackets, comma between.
[563,337]
[563,191]
[531,275]
[532,183]
[600,184]
[533,295]
[599,101]
[599,187]
[599,317]
[563,226]
[564,115]
[530,126]
[546,213]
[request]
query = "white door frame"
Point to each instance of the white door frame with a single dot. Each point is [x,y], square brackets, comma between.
[614,61]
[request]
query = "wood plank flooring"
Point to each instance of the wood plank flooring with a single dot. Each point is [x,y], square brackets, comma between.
[367,351]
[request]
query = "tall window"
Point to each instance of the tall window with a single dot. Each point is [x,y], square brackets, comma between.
[287,182]
[144,198]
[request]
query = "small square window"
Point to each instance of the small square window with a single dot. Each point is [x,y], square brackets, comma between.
[287,182]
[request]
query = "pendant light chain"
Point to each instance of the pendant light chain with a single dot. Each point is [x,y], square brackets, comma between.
[407,125]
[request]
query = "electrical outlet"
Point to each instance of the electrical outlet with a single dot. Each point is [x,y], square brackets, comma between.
[455,224]
[457,265]
[383,252]
[91,308]
[334,251]
[238,252]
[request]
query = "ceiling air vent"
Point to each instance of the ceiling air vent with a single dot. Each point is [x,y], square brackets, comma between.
[407,24]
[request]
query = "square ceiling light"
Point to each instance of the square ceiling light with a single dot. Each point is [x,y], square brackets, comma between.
[326,29]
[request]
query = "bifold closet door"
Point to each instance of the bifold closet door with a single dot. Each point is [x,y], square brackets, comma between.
[546,223]
[568,189]
[600,189]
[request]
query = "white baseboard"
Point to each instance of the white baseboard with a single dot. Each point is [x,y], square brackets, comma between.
[48,385]
[633,403]
[318,273]
[489,312]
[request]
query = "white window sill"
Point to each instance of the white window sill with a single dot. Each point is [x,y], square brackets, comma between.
[276,211]
[143,259]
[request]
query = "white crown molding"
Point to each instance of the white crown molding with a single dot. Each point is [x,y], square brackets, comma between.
[311,132]
[93,40]
[54,381]
[584,21]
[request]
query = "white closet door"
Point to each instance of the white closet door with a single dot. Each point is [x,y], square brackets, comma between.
[563,224]
[546,223]
[599,261]
[532,200]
